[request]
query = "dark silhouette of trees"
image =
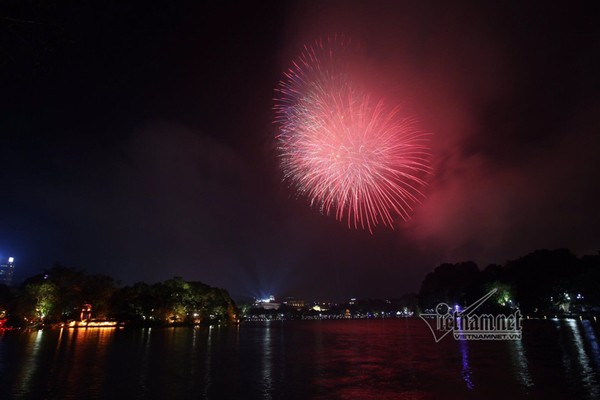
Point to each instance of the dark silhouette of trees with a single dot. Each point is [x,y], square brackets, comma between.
[450,284]
[59,293]
[540,276]
[541,282]
[134,304]
[7,299]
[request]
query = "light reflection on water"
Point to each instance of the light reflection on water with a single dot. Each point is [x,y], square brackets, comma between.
[30,361]
[588,375]
[144,359]
[520,363]
[466,369]
[207,364]
[392,359]
[267,380]
[592,339]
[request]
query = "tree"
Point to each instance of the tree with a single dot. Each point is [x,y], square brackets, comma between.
[97,291]
[7,300]
[539,276]
[448,283]
[40,299]
[133,303]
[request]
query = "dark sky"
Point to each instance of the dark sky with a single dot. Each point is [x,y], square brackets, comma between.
[137,140]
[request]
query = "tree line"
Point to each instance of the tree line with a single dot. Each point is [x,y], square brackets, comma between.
[540,283]
[60,294]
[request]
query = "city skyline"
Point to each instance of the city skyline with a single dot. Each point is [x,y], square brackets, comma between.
[7,270]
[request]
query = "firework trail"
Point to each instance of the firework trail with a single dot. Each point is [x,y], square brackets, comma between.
[341,148]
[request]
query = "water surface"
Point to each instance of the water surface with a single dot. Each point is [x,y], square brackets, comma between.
[344,359]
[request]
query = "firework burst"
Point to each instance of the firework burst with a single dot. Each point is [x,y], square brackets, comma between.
[344,150]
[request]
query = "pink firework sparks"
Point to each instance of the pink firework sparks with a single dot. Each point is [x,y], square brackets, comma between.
[341,148]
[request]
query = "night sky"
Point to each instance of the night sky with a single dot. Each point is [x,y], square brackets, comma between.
[137,140]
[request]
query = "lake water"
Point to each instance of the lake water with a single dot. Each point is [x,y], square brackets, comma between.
[344,359]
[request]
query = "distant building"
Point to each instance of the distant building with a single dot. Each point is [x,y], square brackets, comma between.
[321,306]
[86,312]
[294,303]
[7,270]
[268,303]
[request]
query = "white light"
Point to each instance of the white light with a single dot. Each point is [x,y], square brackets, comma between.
[11,259]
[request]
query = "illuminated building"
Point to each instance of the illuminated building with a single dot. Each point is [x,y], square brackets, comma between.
[7,269]
[268,303]
[86,312]
[294,303]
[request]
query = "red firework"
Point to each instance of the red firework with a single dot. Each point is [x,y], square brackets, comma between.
[344,150]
